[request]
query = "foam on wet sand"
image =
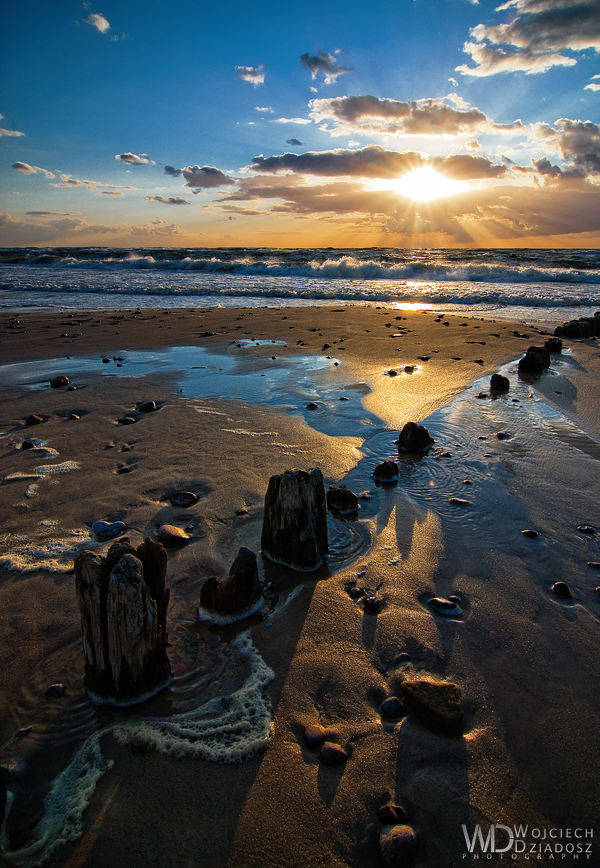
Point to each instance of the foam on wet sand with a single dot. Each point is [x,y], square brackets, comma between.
[526,661]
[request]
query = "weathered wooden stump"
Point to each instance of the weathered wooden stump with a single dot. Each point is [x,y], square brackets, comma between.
[294,531]
[123,603]
[236,593]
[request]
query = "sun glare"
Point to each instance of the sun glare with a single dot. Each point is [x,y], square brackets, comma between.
[425,185]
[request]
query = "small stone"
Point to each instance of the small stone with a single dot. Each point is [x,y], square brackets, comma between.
[390,814]
[439,700]
[73,417]
[127,420]
[530,534]
[503,435]
[315,735]
[183,499]
[392,707]
[586,528]
[595,565]
[561,589]
[34,420]
[387,471]
[171,536]
[467,482]
[124,469]
[27,444]
[409,369]
[449,608]
[459,501]
[54,691]
[58,382]
[147,407]
[206,334]
[342,499]
[312,406]
[398,844]
[355,593]
[332,754]
[107,530]
[392,373]
[372,605]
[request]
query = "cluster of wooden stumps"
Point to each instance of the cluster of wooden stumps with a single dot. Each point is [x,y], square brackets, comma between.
[123,597]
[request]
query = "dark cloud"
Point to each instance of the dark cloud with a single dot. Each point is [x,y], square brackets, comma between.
[254,75]
[448,116]
[26,169]
[295,142]
[110,193]
[172,200]
[376,162]
[577,142]
[534,37]
[174,173]
[324,63]
[60,228]
[205,177]
[133,159]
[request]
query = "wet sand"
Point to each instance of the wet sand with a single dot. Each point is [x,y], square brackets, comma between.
[526,662]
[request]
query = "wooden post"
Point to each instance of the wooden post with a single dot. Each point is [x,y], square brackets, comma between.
[294,529]
[123,603]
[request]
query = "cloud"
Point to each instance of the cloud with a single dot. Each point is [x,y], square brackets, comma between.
[10,132]
[95,19]
[258,108]
[52,214]
[593,86]
[68,181]
[133,159]
[174,173]
[446,116]
[294,142]
[252,74]
[374,161]
[292,121]
[205,177]
[31,170]
[534,37]
[324,63]
[111,193]
[577,142]
[64,227]
[172,200]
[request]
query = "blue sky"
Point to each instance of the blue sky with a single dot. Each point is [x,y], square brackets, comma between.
[392,123]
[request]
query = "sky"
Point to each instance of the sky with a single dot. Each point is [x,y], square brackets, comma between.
[326,123]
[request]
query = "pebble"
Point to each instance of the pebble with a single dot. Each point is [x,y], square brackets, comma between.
[387,471]
[34,420]
[183,498]
[392,707]
[58,382]
[503,435]
[170,536]
[409,369]
[124,469]
[148,407]
[355,593]
[107,530]
[397,843]
[586,528]
[73,417]
[439,700]
[312,406]
[27,444]
[127,420]
[390,814]
[55,690]
[332,754]
[531,534]
[561,589]
[595,565]
[459,501]
[315,734]
[449,608]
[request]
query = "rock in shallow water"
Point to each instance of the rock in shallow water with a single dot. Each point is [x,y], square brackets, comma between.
[107,530]
[398,845]
[238,591]
[414,438]
[441,701]
[561,589]
[498,383]
[59,382]
[387,471]
[342,499]
[171,536]
[449,608]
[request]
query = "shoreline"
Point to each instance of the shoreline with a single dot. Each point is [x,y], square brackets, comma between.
[511,652]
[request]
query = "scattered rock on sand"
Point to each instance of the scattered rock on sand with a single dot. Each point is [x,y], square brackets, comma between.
[390,814]
[34,420]
[498,383]
[398,844]
[316,735]
[342,499]
[561,589]
[387,471]
[449,608]
[530,534]
[127,420]
[414,438]
[54,691]
[459,501]
[595,565]
[372,605]
[171,536]
[392,707]
[27,444]
[107,530]
[147,407]
[183,499]
[440,701]
[332,754]
[58,382]
[586,528]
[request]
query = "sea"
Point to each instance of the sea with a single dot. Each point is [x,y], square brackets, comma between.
[516,284]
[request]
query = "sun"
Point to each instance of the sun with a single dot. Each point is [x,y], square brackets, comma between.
[425,185]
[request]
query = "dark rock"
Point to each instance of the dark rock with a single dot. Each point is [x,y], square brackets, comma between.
[390,814]
[482,395]
[342,499]
[554,345]
[332,754]
[315,735]
[124,469]
[392,707]
[531,534]
[312,406]
[372,605]
[294,531]
[27,444]
[561,589]
[449,608]
[559,332]
[183,499]
[409,369]
[127,420]
[595,565]
[171,536]
[107,530]
[414,438]
[544,352]
[585,327]
[58,382]
[34,420]
[206,334]
[459,501]
[498,383]
[54,691]
[398,845]
[531,364]
[440,701]
[573,330]
[236,593]
[586,528]
[387,471]
[392,373]
[73,417]
[147,407]
[503,435]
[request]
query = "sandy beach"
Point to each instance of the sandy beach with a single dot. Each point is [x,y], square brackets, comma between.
[243,394]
